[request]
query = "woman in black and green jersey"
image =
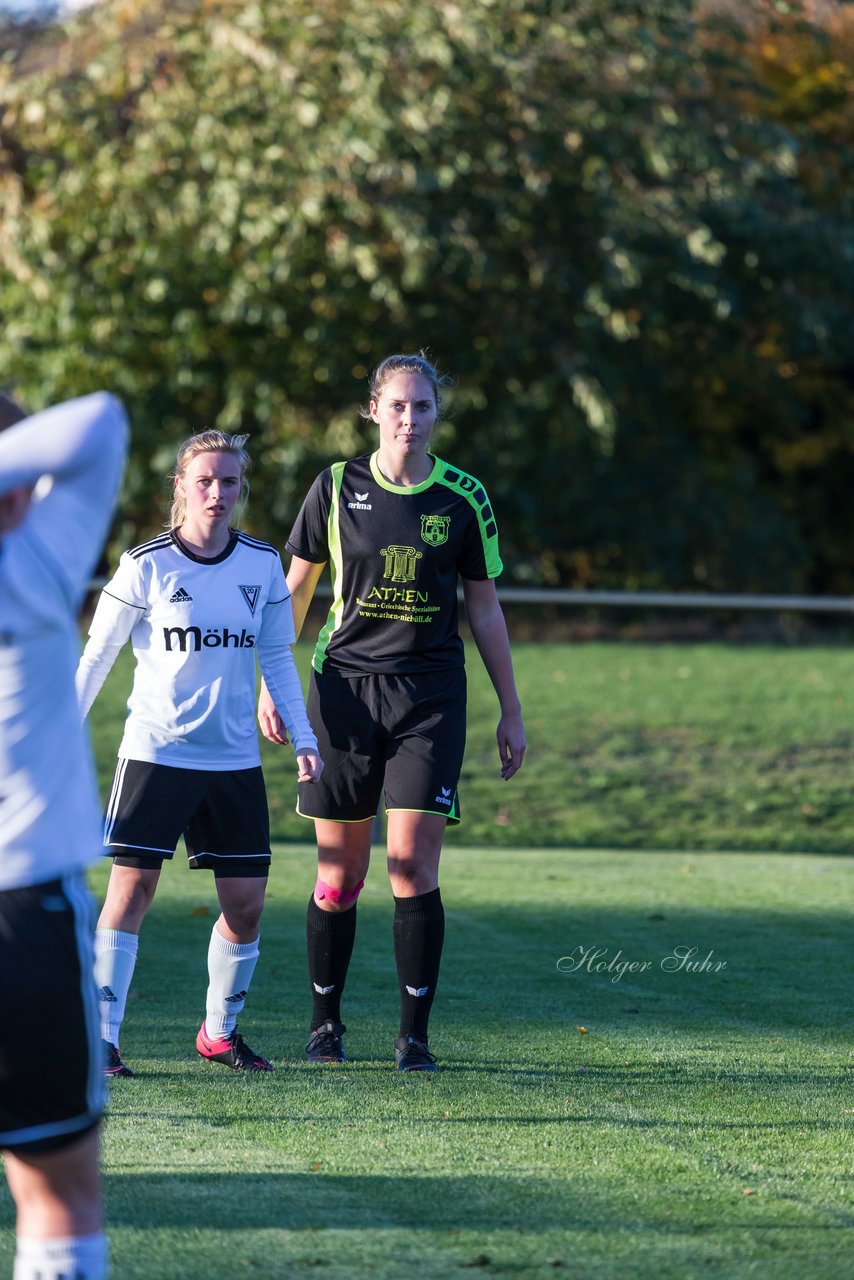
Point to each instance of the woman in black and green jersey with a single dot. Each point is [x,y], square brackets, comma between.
[400,530]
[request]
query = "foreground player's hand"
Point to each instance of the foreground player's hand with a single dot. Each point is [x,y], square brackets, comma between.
[511,744]
[272,724]
[309,766]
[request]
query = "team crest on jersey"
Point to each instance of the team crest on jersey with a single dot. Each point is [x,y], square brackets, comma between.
[250,595]
[434,530]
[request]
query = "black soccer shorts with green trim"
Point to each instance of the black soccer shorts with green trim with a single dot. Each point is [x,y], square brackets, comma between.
[400,738]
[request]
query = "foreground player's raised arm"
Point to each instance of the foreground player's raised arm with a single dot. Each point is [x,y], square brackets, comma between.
[77,451]
[79,436]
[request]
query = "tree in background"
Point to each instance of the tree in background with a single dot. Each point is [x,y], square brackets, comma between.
[625,228]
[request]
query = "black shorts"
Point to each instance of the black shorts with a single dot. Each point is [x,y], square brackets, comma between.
[222,816]
[51,1081]
[403,736]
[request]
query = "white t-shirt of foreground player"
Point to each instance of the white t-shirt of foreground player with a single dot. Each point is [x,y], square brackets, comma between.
[196,626]
[49,810]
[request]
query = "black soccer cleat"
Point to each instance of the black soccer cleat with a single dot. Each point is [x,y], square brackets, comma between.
[232,1051]
[412,1054]
[113,1065]
[324,1043]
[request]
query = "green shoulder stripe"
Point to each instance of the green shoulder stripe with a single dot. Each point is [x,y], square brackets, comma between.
[336,568]
[475,494]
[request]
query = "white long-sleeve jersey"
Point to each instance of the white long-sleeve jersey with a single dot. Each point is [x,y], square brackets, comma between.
[49,811]
[196,626]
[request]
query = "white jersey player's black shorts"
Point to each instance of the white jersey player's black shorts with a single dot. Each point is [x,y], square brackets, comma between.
[222,816]
[397,737]
[51,1082]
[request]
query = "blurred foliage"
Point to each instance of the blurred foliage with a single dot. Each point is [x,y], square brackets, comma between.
[626,229]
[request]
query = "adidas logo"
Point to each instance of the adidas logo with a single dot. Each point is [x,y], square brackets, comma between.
[417,991]
[104,993]
[323,991]
[361,503]
[180,597]
[238,995]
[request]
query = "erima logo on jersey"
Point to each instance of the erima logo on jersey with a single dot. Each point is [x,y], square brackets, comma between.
[446,797]
[180,597]
[361,503]
[214,638]
[417,991]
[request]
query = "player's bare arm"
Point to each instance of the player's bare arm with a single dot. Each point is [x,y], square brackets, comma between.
[489,629]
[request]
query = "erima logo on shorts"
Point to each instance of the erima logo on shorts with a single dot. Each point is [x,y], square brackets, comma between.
[214,638]
[361,503]
[446,797]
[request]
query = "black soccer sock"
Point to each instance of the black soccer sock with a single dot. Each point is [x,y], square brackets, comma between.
[419,933]
[329,942]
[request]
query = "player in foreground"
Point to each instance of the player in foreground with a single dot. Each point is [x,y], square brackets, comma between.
[197,604]
[400,528]
[50,539]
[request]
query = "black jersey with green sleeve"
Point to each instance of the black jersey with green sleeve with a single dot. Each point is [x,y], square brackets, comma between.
[396,555]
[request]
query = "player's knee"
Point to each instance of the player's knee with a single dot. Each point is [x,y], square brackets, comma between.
[344,897]
[242,916]
[128,898]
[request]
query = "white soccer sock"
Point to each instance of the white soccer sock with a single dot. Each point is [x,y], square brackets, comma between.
[115,958]
[83,1257]
[230,969]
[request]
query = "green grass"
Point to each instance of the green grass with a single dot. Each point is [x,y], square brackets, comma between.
[699,1126]
[682,747]
[636,746]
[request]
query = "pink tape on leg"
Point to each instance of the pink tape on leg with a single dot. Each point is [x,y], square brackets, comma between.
[323,890]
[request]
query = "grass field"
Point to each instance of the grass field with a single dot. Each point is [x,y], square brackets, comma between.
[636,746]
[700,1125]
[604,1111]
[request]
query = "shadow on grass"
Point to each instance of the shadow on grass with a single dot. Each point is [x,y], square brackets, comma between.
[320,1201]
[513,977]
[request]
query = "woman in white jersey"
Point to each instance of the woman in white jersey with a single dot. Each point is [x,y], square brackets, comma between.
[198,604]
[400,530]
[59,475]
